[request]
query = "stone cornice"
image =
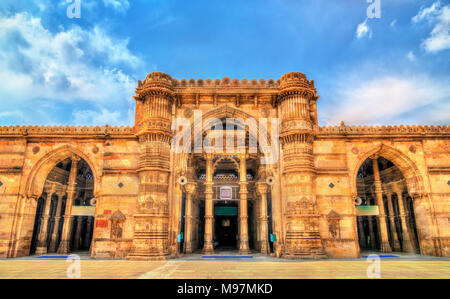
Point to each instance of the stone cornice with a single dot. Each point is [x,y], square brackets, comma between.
[384,131]
[244,90]
[67,131]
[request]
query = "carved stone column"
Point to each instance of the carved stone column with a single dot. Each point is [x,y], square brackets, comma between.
[372,242]
[64,245]
[261,188]
[243,208]
[392,222]
[42,238]
[154,102]
[362,235]
[87,235]
[406,239]
[385,247]
[53,243]
[190,188]
[298,129]
[208,247]
[77,237]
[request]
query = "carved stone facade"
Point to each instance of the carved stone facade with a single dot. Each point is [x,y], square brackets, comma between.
[152,202]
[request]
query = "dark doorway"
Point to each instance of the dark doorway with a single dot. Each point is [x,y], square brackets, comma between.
[226,231]
[225,226]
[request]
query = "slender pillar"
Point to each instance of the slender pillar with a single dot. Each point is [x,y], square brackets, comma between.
[407,244]
[208,247]
[64,245]
[243,206]
[385,247]
[362,235]
[189,219]
[261,188]
[396,241]
[54,239]
[372,243]
[42,239]
[87,236]
[77,237]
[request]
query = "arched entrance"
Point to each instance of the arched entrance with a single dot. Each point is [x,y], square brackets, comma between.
[65,210]
[225,201]
[386,221]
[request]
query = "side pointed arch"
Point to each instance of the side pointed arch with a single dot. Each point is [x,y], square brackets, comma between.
[413,178]
[40,171]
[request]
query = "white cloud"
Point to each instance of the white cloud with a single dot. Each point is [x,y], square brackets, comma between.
[389,100]
[426,12]
[411,56]
[69,66]
[363,29]
[117,5]
[393,23]
[439,38]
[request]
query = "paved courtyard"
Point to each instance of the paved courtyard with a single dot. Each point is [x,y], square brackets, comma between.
[224,266]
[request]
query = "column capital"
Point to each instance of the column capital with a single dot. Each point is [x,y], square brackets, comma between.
[209,156]
[75,159]
[261,188]
[242,155]
[190,187]
[374,157]
[397,188]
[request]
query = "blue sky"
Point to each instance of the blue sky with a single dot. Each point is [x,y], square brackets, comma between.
[83,71]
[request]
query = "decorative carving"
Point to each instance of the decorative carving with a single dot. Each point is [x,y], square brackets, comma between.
[117,220]
[334,226]
[383,131]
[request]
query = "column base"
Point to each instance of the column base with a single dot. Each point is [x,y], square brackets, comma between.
[208,248]
[187,248]
[41,249]
[64,247]
[244,248]
[407,246]
[53,246]
[265,248]
[397,246]
[147,257]
[307,256]
[385,247]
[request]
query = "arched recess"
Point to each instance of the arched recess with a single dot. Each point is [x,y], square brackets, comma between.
[220,113]
[228,112]
[198,126]
[223,158]
[416,191]
[40,171]
[414,180]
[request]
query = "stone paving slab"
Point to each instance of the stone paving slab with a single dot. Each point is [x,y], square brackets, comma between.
[195,269]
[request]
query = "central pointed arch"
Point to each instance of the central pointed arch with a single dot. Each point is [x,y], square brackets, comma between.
[228,112]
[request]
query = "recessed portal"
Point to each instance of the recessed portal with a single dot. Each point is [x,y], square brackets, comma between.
[386,220]
[64,220]
[226,226]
